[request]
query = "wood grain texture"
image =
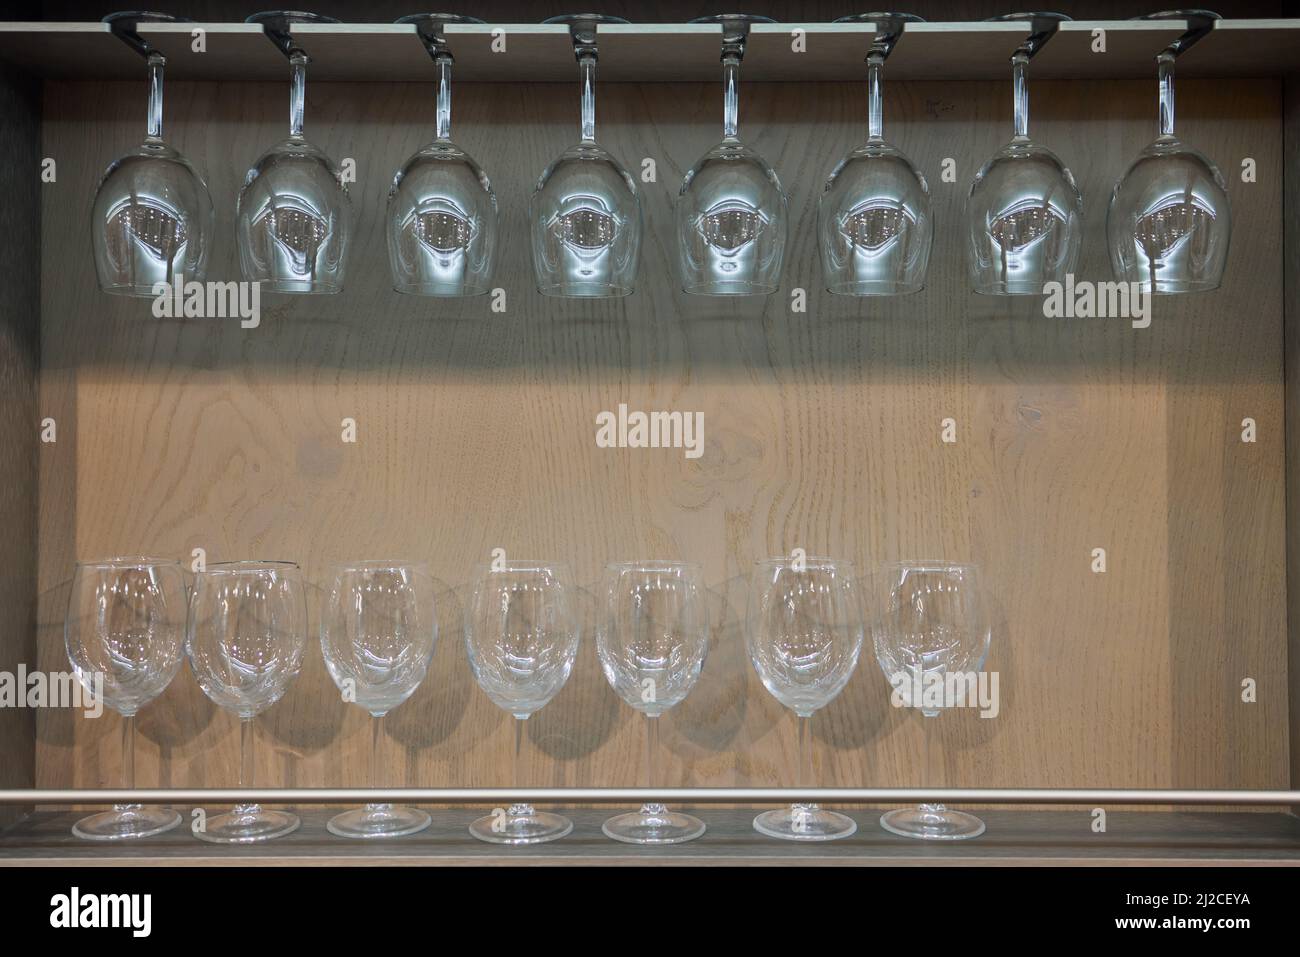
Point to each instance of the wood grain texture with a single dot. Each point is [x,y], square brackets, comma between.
[822,429]
[1291,309]
[19,359]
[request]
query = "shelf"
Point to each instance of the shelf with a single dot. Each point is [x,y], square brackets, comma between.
[649,52]
[1013,837]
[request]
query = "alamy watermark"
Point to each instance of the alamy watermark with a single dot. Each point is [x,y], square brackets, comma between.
[934,691]
[1097,300]
[54,689]
[208,300]
[651,430]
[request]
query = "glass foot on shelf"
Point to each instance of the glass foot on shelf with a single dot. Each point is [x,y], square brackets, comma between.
[521,824]
[805,822]
[653,824]
[248,824]
[932,822]
[378,820]
[126,821]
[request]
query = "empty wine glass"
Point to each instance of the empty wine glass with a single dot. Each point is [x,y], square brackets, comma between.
[731,210]
[245,635]
[123,633]
[804,635]
[1024,212]
[153,217]
[1169,219]
[294,216]
[931,623]
[377,635]
[652,639]
[442,212]
[873,217]
[585,210]
[522,637]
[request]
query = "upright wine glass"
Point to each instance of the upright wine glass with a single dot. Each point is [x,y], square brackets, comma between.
[123,633]
[442,212]
[652,639]
[293,219]
[153,218]
[931,623]
[1024,213]
[377,635]
[873,217]
[804,634]
[586,210]
[245,636]
[731,210]
[522,637]
[1169,220]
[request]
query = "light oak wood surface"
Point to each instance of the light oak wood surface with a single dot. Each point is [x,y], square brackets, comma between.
[476,430]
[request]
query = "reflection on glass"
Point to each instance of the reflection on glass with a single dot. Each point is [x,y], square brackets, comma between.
[585,210]
[874,222]
[153,217]
[1024,212]
[442,212]
[731,210]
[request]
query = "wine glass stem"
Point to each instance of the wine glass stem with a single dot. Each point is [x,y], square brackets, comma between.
[1020,94]
[444,98]
[518,809]
[651,772]
[730,97]
[156,63]
[376,733]
[875,110]
[931,757]
[805,772]
[1166,73]
[297,92]
[587,69]
[245,762]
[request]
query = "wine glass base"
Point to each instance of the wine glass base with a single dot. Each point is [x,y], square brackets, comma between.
[585,290]
[1014,288]
[932,822]
[1172,287]
[730,289]
[300,287]
[805,822]
[440,290]
[535,827]
[657,826]
[378,821]
[248,826]
[874,287]
[136,290]
[123,824]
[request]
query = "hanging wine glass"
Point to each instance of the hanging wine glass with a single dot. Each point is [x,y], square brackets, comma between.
[442,212]
[153,217]
[1169,219]
[873,217]
[294,215]
[731,210]
[1024,212]
[585,210]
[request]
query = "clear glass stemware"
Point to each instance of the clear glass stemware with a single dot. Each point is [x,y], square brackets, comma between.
[1024,212]
[522,638]
[377,635]
[804,634]
[652,641]
[293,219]
[874,222]
[152,214]
[586,210]
[731,209]
[932,622]
[1169,220]
[124,635]
[245,635]
[442,211]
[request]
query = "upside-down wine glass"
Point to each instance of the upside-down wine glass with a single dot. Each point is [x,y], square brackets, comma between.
[153,217]
[442,212]
[245,635]
[652,640]
[124,634]
[522,637]
[293,218]
[1169,220]
[873,216]
[585,210]
[1024,213]
[377,635]
[731,209]
[804,635]
[931,623]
